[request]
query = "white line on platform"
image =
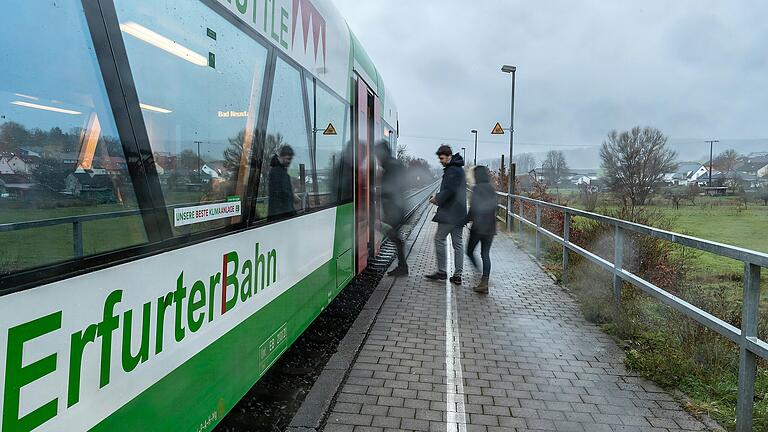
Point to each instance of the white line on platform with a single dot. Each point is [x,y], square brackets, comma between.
[456,420]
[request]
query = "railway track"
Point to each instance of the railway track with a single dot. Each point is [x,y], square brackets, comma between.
[271,404]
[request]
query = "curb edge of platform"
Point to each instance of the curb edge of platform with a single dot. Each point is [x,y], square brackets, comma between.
[314,411]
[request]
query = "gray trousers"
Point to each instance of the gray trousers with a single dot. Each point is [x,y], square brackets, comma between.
[443,229]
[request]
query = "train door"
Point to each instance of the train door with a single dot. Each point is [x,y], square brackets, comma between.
[375,135]
[362,178]
[368,194]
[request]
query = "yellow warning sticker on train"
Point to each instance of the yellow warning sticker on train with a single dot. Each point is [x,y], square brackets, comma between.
[497,130]
[330,130]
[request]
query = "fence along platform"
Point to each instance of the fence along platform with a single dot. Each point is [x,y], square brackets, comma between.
[750,345]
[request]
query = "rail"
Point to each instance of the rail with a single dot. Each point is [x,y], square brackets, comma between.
[430,187]
[750,345]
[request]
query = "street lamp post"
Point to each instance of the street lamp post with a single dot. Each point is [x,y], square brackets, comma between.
[711,144]
[474,131]
[199,162]
[510,189]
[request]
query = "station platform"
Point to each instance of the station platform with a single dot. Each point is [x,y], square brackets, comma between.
[439,357]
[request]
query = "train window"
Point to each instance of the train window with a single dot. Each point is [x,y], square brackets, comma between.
[200,101]
[65,190]
[331,127]
[286,180]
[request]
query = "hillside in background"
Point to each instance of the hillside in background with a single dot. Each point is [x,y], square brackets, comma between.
[693,150]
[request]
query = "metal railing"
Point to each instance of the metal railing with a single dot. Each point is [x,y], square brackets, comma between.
[750,345]
[77,221]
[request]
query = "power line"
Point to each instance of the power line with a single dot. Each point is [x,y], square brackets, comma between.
[470,140]
[672,141]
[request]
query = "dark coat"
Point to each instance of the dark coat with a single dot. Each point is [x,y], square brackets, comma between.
[280,190]
[452,199]
[482,208]
[392,191]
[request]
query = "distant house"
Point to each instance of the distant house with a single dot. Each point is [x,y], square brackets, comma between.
[687,173]
[755,164]
[14,186]
[19,165]
[5,167]
[581,180]
[69,158]
[28,152]
[95,186]
[210,171]
[736,179]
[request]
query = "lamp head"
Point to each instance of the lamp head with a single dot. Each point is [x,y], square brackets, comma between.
[474,131]
[508,68]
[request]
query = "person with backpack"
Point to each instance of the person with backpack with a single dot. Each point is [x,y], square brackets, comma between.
[482,216]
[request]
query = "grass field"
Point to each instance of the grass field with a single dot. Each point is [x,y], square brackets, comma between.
[721,219]
[51,244]
[39,246]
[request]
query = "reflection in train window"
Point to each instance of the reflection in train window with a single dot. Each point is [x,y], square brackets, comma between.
[286,180]
[200,101]
[331,136]
[61,160]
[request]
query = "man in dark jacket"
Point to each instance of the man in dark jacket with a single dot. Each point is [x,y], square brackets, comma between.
[451,213]
[281,195]
[482,215]
[393,202]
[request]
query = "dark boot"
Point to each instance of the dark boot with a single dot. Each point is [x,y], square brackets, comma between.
[456,279]
[439,276]
[401,270]
[482,287]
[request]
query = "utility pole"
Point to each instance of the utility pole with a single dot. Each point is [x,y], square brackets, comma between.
[199,162]
[711,145]
[474,131]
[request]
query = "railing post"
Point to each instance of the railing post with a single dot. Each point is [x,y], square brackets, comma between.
[509,212]
[618,264]
[566,238]
[522,216]
[77,238]
[748,359]
[538,227]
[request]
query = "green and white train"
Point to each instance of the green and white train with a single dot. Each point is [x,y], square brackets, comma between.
[145,282]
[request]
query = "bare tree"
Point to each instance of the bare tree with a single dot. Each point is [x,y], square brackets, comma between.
[727,160]
[634,163]
[590,196]
[692,192]
[402,152]
[525,162]
[674,195]
[555,167]
[762,194]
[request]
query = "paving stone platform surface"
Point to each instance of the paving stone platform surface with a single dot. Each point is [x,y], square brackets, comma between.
[520,359]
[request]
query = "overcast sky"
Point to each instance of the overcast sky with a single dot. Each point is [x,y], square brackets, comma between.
[695,69]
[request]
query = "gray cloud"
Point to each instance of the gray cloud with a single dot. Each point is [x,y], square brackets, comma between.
[693,68]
